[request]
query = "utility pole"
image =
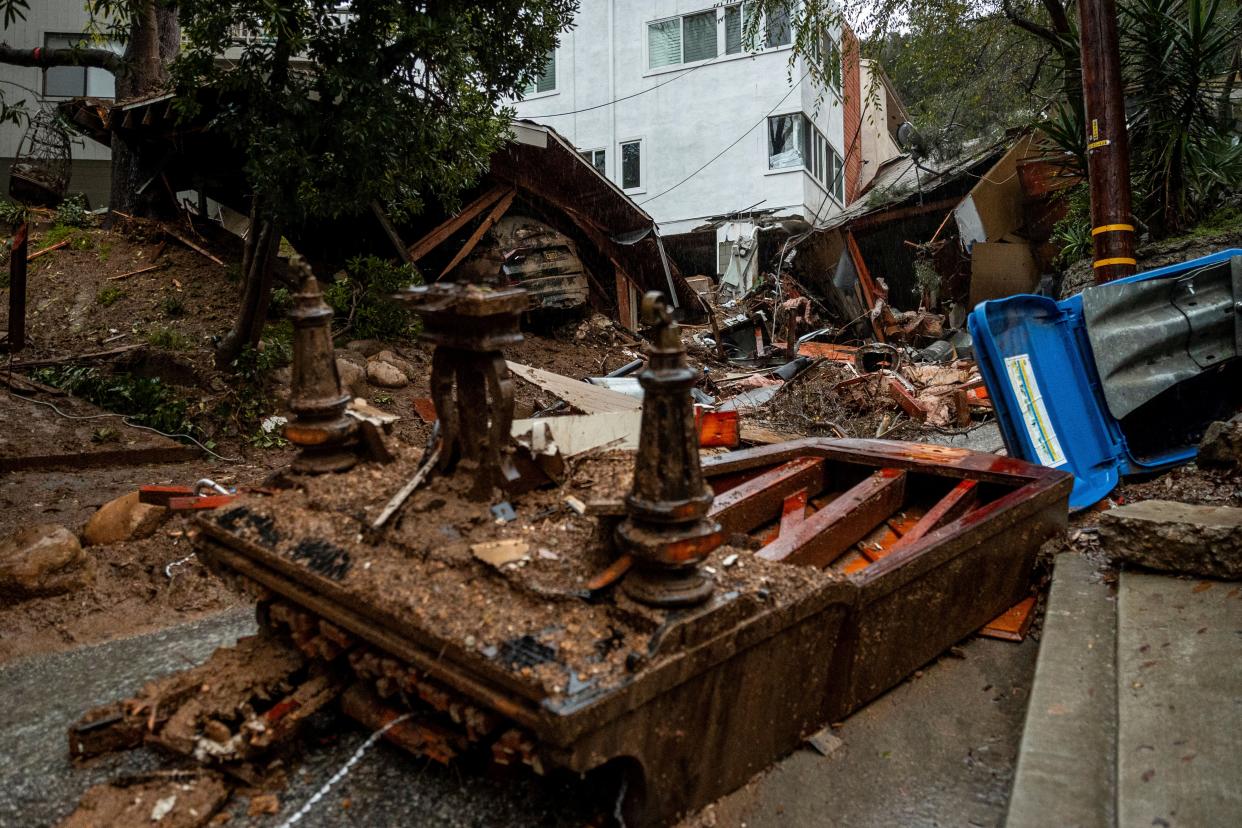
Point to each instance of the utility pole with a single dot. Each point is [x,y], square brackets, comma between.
[1108,148]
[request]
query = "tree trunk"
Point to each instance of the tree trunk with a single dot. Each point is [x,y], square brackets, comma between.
[155,39]
[258,256]
[262,243]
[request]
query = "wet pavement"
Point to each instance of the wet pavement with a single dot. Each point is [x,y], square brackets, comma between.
[937,750]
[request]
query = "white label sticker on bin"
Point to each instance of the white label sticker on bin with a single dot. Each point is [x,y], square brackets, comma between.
[1034,412]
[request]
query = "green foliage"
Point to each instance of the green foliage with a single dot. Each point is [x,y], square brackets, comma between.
[280,303]
[362,300]
[144,400]
[108,295]
[1172,53]
[173,306]
[1072,234]
[169,339]
[964,72]
[248,400]
[397,101]
[72,212]
[11,213]
[56,234]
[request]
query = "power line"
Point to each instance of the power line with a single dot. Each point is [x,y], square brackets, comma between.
[628,97]
[731,146]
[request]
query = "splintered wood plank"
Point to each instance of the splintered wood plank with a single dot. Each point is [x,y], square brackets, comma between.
[758,500]
[960,500]
[829,533]
[587,398]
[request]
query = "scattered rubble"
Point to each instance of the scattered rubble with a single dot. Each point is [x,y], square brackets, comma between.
[1221,445]
[1175,537]
[167,799]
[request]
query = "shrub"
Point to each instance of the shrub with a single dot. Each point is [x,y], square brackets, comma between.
[143,400]
[362,300]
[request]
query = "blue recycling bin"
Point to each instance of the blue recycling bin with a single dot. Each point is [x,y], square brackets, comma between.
[1168,342]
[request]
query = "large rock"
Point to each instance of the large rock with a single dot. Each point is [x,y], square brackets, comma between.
[1175,537]
[385,375]
[353,377]
[1221,444]
[123,519]
[402,365]
[41,560]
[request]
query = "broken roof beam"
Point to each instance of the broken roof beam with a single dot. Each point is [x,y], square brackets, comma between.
[477,235]
[433,239]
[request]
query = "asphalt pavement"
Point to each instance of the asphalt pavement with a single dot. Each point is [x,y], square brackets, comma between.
[939,749]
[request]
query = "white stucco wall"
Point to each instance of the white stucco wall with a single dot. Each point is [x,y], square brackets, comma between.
[877,144]
[696,113]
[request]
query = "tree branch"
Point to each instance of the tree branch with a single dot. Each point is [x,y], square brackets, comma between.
[47,58]
[1042,32]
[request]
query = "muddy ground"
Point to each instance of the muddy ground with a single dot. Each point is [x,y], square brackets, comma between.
[78,305]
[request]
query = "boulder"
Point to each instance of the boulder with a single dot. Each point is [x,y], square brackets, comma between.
[350,356]
[385,375]
[41,560]
[123,519]
[353,377]
[1175,537]
[402,365]
[1221,444]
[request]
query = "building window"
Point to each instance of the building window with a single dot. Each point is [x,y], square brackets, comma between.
[663,43]
[76,81]
[545,81]
[838,177]
[698,36]
[595,158]
[631,165]
[832,63]
[778,31]
[734,26]
[787,136]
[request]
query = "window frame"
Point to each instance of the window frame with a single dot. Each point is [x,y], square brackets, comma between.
[824,164]
[532,89]
[640,187]
[82,41]
[798,140]
[722,40]
[588,155]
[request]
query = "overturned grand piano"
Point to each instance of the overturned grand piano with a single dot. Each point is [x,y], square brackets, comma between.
[681,624]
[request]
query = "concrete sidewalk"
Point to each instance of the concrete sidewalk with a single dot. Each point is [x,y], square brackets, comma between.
[1136,706]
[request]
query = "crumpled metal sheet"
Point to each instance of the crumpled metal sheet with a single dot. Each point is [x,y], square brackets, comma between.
[1150,335]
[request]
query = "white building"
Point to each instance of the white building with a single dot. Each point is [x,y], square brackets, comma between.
[56,24]
[666,100]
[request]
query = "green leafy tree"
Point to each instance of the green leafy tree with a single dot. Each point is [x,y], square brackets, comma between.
[394,101]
